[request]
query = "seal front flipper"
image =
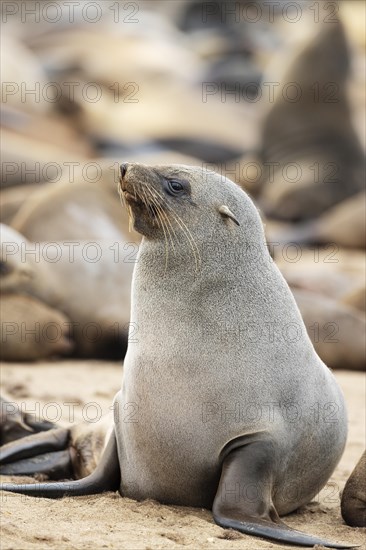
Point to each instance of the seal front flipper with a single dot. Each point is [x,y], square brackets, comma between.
[244,502]
[106,477]
[41,453]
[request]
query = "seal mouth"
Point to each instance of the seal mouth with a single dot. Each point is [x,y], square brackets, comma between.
[138,205]
[130,198]
[129,194]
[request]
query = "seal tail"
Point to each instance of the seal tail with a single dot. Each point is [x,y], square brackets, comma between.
[278,532]
[106,477]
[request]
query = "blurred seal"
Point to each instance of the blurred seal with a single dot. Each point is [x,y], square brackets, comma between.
[311,153]
[30,330]
[353,504]
[89,281]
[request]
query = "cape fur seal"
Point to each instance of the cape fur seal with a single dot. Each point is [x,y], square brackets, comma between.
[337,330]
[353,504]
[204,272]
[343,225]
[30,330]
[308,136]
[88,281]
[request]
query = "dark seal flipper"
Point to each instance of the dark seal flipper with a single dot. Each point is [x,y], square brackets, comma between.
[353,504]
[106,477]
[41,453]
[55,465]
[34,445]
[243,499]
[279,533]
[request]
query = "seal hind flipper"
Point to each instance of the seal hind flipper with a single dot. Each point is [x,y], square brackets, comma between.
[246,468]
[56,465]
[106,477]
[41,453]
[34,445]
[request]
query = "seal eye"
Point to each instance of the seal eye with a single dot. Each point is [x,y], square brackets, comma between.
[174,187]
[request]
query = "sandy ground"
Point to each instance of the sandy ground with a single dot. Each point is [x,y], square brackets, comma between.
[110,521]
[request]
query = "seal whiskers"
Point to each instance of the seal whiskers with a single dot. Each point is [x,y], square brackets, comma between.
[160,221]
[163,215]
[127,207]
[186,232]
[165,221]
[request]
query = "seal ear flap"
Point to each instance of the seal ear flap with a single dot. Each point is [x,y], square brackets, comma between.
[225,211]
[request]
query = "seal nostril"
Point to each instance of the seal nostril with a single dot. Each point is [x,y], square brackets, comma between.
[123,169]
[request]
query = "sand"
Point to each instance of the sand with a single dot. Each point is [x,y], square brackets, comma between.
[109,521]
